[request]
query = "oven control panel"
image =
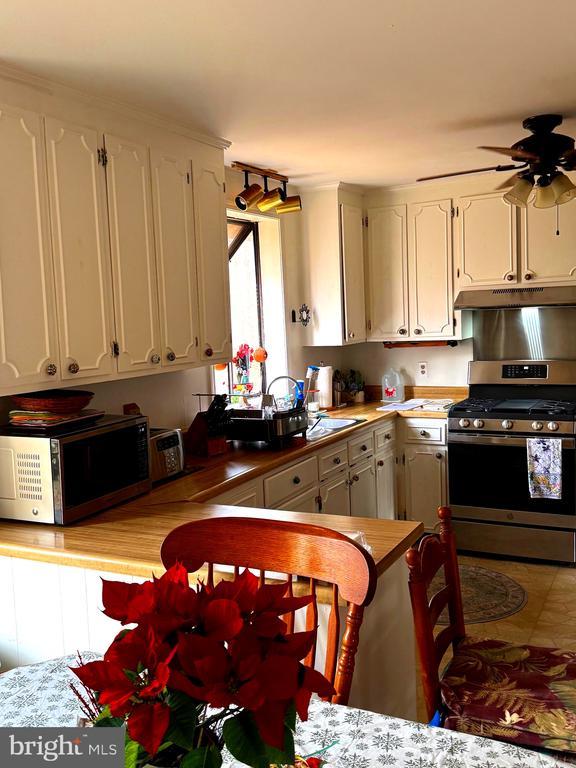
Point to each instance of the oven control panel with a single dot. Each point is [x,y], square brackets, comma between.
[525,371]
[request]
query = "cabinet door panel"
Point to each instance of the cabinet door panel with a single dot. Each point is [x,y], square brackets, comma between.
[546,256]
[386,486]
[430,256]
[485,241]
[425,486]
[388,273]
[81,249]
[213,280]
[335,495]
[176,258]
[363,490]
[28,338]
[352,233]
[133,259]
[304,502]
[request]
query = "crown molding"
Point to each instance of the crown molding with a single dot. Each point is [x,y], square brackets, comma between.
[53,88]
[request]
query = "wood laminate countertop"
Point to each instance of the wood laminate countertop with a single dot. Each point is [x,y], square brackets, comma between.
[128,540]
[219,474]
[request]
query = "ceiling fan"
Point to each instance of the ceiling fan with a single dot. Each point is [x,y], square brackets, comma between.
[542,158]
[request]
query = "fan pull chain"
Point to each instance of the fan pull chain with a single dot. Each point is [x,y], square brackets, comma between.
[557,220]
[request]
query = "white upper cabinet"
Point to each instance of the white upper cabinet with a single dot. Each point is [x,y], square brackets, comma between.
[332,265]
[81,249]
[352,246]
[28,339]
[485,241]
[430,269]
[133,255]
[387,283]
[212,255]
[547,257]
[176,257]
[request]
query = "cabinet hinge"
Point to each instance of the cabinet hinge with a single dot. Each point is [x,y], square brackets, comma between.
[365,221]
[195,341]
[453,212]
[188,178]
[454,321]
[369,325]
[319,503]
[102,157]
[403,459]
[115,349]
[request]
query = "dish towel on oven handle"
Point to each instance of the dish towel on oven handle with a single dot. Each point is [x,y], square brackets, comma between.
[544,467]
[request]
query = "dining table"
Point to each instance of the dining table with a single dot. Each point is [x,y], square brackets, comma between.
[39,695]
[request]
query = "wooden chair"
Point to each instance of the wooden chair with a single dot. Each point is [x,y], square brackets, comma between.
[310,551]
[516,693]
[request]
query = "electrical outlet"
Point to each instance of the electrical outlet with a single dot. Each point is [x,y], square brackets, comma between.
[423,370]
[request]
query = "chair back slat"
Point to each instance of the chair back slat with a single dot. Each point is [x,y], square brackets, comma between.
[431,554]
[333,639]
[310,551]
[289,617]
[262,578]
[312,623]
[236,571]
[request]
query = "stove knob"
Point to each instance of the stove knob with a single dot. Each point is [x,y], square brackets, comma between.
[537,425]
[464,423]
[478,423]
[552,426]
[507,424]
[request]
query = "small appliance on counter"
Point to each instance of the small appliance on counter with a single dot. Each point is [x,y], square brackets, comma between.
[166,453]
[256,425]
[61,474]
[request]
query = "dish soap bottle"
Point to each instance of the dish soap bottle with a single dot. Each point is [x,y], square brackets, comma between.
[392,386]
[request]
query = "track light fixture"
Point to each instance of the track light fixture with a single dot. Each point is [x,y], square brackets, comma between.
[265,199]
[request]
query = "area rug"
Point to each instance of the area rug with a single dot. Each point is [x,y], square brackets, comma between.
[486,595]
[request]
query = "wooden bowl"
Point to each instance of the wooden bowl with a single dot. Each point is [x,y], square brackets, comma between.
[54,400]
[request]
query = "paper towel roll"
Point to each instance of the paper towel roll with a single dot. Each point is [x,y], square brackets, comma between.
[324,386]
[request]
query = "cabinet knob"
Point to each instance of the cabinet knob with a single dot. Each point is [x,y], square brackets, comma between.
[171,356]
[73,367]
[527,276]
[208,351]
[51,369]
[155,359]
[509,277]
[402,331]
[337,460]
[387,436]
[351,334]
[296,480]
[363,447]
[417,331]
[423,433]
[380,463]
[439,455]
[355,478]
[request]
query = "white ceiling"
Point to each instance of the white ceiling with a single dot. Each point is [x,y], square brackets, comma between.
[371,92]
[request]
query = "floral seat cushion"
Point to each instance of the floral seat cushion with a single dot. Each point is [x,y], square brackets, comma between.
[518,693]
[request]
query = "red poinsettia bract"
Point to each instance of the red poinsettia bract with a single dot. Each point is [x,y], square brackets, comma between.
[226,646]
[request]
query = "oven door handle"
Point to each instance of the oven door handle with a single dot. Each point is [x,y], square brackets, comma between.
[568,443]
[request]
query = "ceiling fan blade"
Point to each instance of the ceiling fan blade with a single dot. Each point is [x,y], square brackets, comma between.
[473,170]
[511,152]
[569,160]
[509,182]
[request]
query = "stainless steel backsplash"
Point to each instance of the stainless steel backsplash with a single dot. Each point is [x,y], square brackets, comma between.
[530,333]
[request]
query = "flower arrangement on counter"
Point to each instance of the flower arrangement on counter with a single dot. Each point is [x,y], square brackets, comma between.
[242,359]
[202,668]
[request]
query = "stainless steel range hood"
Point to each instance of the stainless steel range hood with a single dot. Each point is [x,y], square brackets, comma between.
[515,298]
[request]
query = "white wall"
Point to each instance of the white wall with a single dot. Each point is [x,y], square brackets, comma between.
[447,366]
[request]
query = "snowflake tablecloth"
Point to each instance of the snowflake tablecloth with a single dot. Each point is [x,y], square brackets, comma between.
[40,695]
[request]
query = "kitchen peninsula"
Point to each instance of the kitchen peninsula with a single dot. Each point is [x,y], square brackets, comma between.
[51,589]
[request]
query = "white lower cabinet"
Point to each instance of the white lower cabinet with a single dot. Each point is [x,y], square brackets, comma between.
[385,486]
[304,502]
[363,490]
[335,495]
[425,482]
[250,494]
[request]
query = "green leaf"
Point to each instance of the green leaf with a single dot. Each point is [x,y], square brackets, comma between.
[132,750]
[106,720]
[184,712]
[244,742]
[205,757]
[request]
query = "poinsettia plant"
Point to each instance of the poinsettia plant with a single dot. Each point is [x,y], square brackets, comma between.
[202,668]
[243,357]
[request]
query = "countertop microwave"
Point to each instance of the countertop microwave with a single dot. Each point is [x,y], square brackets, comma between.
[61,478]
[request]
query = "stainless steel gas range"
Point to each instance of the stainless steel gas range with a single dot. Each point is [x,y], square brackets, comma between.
[510,401]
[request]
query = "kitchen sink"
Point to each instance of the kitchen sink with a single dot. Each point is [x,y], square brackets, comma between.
[328,425]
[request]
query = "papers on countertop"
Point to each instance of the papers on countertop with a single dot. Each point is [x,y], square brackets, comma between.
[417,404]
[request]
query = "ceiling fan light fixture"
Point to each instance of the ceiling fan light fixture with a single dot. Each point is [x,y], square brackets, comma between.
[545,194]
[521,191]
[563,189]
